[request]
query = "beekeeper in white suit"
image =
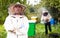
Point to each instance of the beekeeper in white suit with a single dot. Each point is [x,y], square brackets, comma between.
[16,23]
[46,20]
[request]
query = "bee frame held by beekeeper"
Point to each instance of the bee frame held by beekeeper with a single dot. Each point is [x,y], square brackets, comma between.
[16,23]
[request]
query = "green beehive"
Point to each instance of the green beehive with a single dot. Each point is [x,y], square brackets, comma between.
[31,31]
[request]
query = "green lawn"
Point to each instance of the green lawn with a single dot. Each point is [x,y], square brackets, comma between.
[40,31]
[2,32]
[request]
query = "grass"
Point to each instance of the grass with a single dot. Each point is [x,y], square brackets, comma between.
[40,31]
[2,32]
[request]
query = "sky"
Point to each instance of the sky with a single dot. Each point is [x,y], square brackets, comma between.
[33,2]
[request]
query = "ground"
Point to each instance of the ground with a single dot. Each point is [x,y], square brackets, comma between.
[39,31]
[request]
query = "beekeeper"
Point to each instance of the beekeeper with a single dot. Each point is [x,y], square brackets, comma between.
[45,18]
[16,23]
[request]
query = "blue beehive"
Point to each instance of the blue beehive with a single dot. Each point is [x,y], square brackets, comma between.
[52,21]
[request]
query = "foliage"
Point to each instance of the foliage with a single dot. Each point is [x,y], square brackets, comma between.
[52,3]
[53,6]
[2,32]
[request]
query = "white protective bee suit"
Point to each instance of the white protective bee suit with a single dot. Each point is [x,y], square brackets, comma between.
[19,24]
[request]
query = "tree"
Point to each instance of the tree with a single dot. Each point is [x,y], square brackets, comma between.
[53,6]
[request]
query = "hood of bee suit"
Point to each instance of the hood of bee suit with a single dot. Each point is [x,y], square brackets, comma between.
[10,9]
[45,11]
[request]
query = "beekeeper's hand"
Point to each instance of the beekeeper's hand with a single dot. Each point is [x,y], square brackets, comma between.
[12,31]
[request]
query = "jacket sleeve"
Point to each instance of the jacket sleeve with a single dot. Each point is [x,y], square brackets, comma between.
[23,27]
[8,24]
[26,23]
[49,17]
